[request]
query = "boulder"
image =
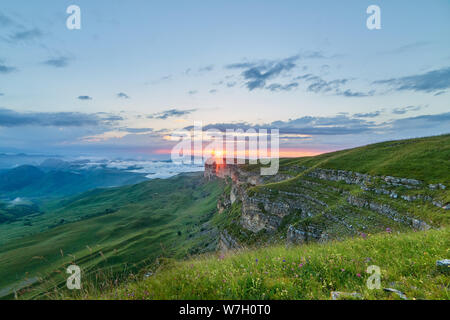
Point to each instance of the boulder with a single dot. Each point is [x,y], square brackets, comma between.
[339,295]
[397,292]
[443,265]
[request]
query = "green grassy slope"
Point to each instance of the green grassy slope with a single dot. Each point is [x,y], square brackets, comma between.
[426,159]
[313,271]
[324,203]
[127,226]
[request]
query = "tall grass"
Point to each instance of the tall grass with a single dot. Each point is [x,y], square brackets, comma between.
[313,271]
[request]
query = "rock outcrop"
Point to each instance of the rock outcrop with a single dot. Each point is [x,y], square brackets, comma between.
[226,242]
[314,205]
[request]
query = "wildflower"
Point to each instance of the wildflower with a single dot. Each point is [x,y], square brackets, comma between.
[358,275]
[300,265]
[256,260]
[342,269]
[363,235]
[284,260]
[388,230]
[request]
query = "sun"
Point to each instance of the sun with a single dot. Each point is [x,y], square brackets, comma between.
[218,154]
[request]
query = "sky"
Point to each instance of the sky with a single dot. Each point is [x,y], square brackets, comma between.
[137,70]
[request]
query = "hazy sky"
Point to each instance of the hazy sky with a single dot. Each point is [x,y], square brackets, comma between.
[138,69]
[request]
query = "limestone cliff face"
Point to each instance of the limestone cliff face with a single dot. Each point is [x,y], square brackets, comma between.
[320,204]
[226,242]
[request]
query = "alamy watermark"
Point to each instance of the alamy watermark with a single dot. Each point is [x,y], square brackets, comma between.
[374,281]
[230,146]
[73,22]
[74,280]
[373,22]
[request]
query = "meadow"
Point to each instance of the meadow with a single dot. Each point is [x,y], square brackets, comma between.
[407,262]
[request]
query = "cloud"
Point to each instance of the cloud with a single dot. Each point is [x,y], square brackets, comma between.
[424,122]
[109,117]
[1,94]
[308,125]
[341,127]
[319,85]
[138,130]
[11,118]
[206,68]
[351,94]
[59,62]
[256,74]
[406,109]
[212,91]
[5,21]
[191,92]
[26,35]
[373,114]
[312,55]
[432,81]
[407,48]
[170,113]
[248,64]
[339,124]
[280,87]
[162,79]
[6,69]
[123,95]
[240,65]
[84,98]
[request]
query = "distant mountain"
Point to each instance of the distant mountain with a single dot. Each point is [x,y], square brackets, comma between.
[12,160]
[19,178]
[54,179]
[55,164]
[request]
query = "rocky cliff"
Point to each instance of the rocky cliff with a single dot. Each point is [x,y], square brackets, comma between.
[302,204]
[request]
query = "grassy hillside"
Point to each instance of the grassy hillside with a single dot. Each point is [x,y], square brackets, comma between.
[120,229]
[426,159]
[345,194]
[407,262]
